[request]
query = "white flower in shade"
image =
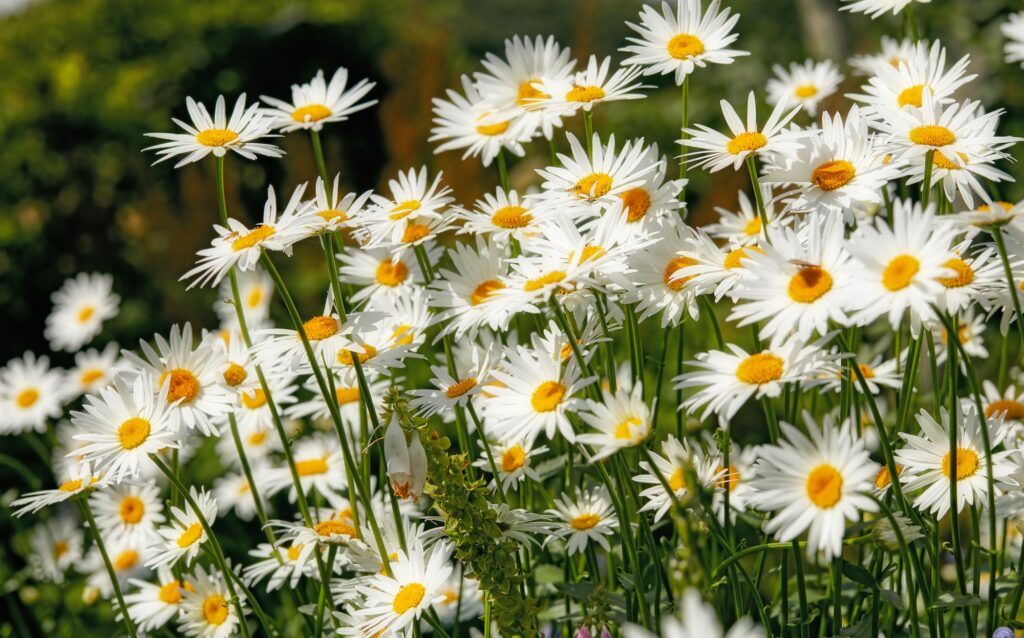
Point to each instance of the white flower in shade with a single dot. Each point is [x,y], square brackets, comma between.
[126,557]
[80,479]
[255,291]
[512,82]
[584,517]
[395,603]
[716,151]
[463,601]
[79,309]
[899,268]
[94,369]
[655,288]
[318,102]
[411,207]
[705,267]
[286,564]
[743,226]
[677,42]
[123,425]
[386,334]
[499,216]
[218,134]
[971,334]
[153,604]
[1013,29]
[728,379]
[880,373]
[184,536]
[472,122]
[585,89]
[192,377]
[515,461]
[621,420]
[602,176]
[346,392]
[253,409]
[671,465]
[57,546]
[319,464]
[908,82]
[799,283]
[814,483]
[234,492]
[464,295]
[131,510]
[31,392]
[804,84]
[698,621]
[876,8]
[927,462]
[332,212]
[837,168]
[205,610]
[892,53]
[240,247]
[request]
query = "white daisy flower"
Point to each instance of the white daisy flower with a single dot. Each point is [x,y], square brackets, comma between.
[892,53]
[127,558]
[655,289]
[131,511]
[499,216]
[94,369]
[1007,406]
[602,176]
[184,536]
[584,89]
[675,458]
[908,82]
[704,267]
[464,294]
[30,393]
[804,84]
[474,123]
[621,420]
[971,334]
[462,602]
[876,8]
[698,621]
[1013,29]
[969,177]
[514,460]
[411,208]
[743,226]
[382,271]
[346,391]
[319,464]
[332,212]
[79,309]
[205,611]
[584,517]
[317,103]
[80,479]
[57,546]
[252,409]
[234,492]
[449,392]
[153,604]
[975,276]
[880,373]
[326,334]
[255,291]
[286,564]
[218,134]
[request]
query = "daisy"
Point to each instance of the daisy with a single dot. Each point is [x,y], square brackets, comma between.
[514,460]
[81,479]
[464,295]
[378,341]
[876,8]
[346,391]
[253,408]
[283,564]
[462,600]
[655,289]
[57,546]
[621,420]
[584,517]
[205,611]
[451,391]
[671,465]
[217,134]
[79,309]
[968,177]
[728,379]
[804,84]
[411,207]
[704,267]
[743,226]
[30,393]
[698,621]
[317,103]
[319,464]
[510,83]
[331,526]
[395,603]
[645,205]
[716,151]
[928,464]
[382,271]
[892,53]
[599,176]
[974,277]
[814,483]
[131,511]
[192,376]
[123,424]
[185,535]
[878,374]
[331,212]
[240,247]
[908,82]
[153,604]
[255,291]
[127,559]
[473,123]
[585,89]
[500,216]
[234,492]
[326,334]
[94,369]
[681,40]
[1013,29]
[1007,405]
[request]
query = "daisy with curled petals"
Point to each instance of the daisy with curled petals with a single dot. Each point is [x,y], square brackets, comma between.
[837,168]
[395,603]
[620,420]
[382,271]
[332,213]
[536,395]
[907,83]
[218,134]
[671,465]
[677,42]
[585,89]
[814,483]
[79,309]
[728,379]
[472,122]
[57,545]
[285,564]
[449,392]
[382,341]
[600,176]
[876,8]
[499,216]
[975,276]
[1013,29]
[967,177]
[195,394]
[240,247]
[80,479]
[743,226]
[205,611]
[319,464]
[534,278]
[898,269]
[94,369]
[804,84]
[716,151]
[31,392]
[511,82]
[255,291]
[514,460]
[131,510]
[799,283]
[698,621]
[185,534]
[927,462]
[583,517]
[464,294]
[123,424]
[153,604]
[655,289]
[318,102]
[412,204]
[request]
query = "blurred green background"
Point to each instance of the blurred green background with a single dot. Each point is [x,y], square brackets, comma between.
[83,80]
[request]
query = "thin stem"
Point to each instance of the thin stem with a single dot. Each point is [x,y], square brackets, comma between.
[503,170]
[684,123]
[83,504]
[755,183]
[926,184]
[318,153]
[997,234]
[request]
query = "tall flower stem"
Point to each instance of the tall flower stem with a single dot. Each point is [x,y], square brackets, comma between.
[954,449]
[755,184]
[503,170]
[588,127]
[926,183]
[997,234]
[83,504]
[684,123]
[318,153]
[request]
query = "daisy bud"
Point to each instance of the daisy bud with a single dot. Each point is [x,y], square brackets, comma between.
[396,451]
[417,466]
[90,595]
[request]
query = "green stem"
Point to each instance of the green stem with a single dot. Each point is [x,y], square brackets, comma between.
[318,153]
[997,234]
[83,504]
[503,170]
[755,183]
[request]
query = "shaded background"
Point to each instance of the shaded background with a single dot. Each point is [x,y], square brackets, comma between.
[83,80]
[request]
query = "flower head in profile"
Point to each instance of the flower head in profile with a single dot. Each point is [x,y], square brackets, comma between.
[472,123]
[877,8]
[1013,29]
[585,89]
[318,102]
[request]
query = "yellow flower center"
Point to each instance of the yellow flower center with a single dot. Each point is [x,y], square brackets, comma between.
[171,593]
[528,93]
[677,263]
[511,217]
[59,549]
[736,256]
[624,430]
[684,45]
[911,96]
[966,463]
[941,161]
[760,368]
[964,274]
[825,486]
[85,314]
[547,396]
[253,237]
[805,91]
[593,186]
[90,376]
[884,478]
[636,202]
[584,93]
[809,284]
[585,521]
[832,175]
[749,141]
[932,135]
[309,467]
[311,113]
[257,399]
[27,398]
[752,227]
[730,479]
[484,291]
[552,277]
[70,486]
[132,509]
[190,535]
[216,137]
[295,551]
[491,130]
[257,438]
[183,385]
[461,388]
[254,297]
[126,560]
[215,609]
[408,597]
[403,335]
[678,480]
[391,273]
[345,356]
[415,232]
[513,458]
[347,395]
[335,528]
[234,375]
[404,209]
[133,432]
[1010,409]
[332,215]
[320,327]
[900,272]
